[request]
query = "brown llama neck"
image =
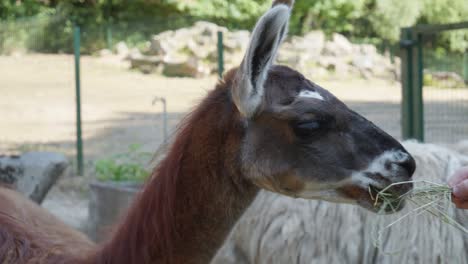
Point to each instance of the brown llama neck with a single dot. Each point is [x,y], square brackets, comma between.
[194,197]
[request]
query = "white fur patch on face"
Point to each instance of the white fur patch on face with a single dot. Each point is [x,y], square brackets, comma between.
[385,164]
[311,94]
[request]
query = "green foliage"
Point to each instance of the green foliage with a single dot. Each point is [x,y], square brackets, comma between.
[124,167]
[390,15]
[448,11]
[12,9]
[240,10]
[328,15]
[135,21]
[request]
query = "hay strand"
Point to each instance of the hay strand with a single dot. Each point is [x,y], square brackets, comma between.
[429,197]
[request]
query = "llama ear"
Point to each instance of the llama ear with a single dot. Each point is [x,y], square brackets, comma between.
[266,38]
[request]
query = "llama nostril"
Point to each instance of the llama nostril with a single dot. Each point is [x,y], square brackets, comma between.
[409,164]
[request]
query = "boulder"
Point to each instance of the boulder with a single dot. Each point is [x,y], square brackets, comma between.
[202,51]
[108,201]
[338,46]
[335,65]
[158,45]
[236,41]
[146,64]
[310,45]
[122,49]
[190,67]
[208,29]
[105,53]
[363,62]
[139,61]
[33,173]
[192,52]
[133,53]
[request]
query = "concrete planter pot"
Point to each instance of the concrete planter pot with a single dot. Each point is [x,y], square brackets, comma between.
[108,202]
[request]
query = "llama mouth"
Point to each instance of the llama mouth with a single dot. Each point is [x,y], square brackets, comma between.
[386,200]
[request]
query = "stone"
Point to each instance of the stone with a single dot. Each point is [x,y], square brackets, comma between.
[108,201]
[367,50]
[181,67]
[311,44]
[139,61]
[201,51]
[289,55]
[192,52]
[133,53]
[363,62]
[335,66]
[158,45]
[208,29]
[338,46]
[121,49]
[33,173]
[236,41]
[105,53]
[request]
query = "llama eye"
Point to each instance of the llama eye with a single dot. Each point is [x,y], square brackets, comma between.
[307,128]
[309,125]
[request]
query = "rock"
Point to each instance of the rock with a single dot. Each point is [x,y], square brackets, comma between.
[366,49]
[133,53]
[319,73]
[289,55]
[158,45]
[338,46]
[446,79]
[335,65]
[396,68]
[108,201]
[194,50]
[33,173]
[181,68]
[237,41]
[122,49]
[139,61]
[201,51]
[208,29]
[105,53]
[311,45]
[363,62]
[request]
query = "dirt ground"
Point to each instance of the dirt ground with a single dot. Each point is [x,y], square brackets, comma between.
[38,102]
[37,111]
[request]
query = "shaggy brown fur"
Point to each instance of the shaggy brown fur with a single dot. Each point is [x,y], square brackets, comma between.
[29,234]
[194,197]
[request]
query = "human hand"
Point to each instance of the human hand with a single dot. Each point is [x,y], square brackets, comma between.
[459,183]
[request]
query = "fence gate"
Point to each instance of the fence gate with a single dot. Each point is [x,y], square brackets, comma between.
[435,83]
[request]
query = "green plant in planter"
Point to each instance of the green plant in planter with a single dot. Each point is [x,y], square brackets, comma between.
[124,167]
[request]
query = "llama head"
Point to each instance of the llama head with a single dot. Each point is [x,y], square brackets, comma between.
[302,141]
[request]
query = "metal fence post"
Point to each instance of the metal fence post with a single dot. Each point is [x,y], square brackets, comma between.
[79,140]
[220,55]
[418,103]
[407,83]
[412,84]
[465,66]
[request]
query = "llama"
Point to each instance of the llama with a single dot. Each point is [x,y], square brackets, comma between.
[263,126]
[278,229]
